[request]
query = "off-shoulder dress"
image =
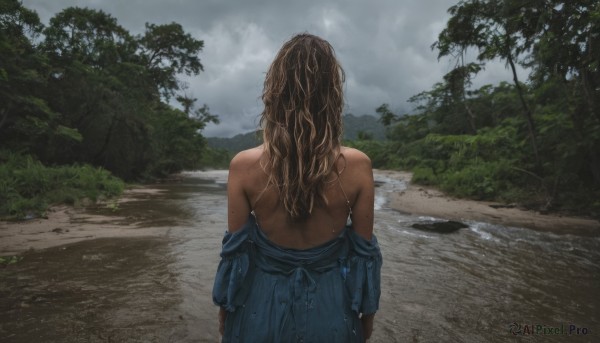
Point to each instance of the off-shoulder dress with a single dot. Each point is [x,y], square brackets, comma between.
[275,294]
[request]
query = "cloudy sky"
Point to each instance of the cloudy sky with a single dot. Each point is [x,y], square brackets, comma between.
[383,46]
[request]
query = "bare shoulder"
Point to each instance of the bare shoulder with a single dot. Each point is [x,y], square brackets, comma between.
[356,159]
[356,168]
[246,159]
[359,183]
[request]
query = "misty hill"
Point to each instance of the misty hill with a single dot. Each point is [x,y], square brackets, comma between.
[352,126]
[366,123]
[236,143]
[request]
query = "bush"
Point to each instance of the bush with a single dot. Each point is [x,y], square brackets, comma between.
[424,176]
[216,158]
[484,180]
[29,187]
[377,151]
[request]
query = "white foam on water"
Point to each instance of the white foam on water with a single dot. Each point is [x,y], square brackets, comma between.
[478,228]
[409,233]
[219,175]
[429,219]
[380,200]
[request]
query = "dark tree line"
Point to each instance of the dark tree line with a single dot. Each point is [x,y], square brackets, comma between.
[535,140]
[84,90]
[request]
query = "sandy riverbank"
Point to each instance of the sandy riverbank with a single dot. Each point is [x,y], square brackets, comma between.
[67,224]
[426,201]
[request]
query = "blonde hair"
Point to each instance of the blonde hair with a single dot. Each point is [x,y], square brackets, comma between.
[302,122]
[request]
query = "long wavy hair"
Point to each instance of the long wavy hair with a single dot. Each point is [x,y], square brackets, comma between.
[302,122]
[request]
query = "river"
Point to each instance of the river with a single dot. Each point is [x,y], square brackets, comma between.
[484,283]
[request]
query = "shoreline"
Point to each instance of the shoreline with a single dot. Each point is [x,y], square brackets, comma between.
[429,201]
[67,224]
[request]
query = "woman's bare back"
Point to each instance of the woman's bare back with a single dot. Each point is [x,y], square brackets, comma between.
[247,180]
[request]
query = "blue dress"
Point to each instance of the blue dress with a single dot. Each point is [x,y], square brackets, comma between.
[274,294]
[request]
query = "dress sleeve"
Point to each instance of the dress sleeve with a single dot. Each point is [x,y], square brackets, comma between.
[232,271]
[363,274]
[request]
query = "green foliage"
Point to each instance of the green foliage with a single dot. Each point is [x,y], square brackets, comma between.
[376,150]
[89,92]
[386,117]
[113,206]
[29,187]
[495,164]
[8,260]
[466,165]
[166,51]
[424,176]
[68,133]
[364,136]
[536,143]
[482,180]
[24,114]
[216,158]
[89,36]
[176,142]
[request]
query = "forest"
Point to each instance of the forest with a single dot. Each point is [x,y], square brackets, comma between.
[75,93]
[84,105]
[533,142]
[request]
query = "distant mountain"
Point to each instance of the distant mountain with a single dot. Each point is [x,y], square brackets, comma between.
[352,126]
[236,143]
[366,124]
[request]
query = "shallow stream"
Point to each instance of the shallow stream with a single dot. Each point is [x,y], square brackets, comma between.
[484,283]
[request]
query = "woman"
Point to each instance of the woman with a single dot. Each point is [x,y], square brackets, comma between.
[299,261]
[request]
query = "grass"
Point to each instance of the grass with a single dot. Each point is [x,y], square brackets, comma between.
[27,187]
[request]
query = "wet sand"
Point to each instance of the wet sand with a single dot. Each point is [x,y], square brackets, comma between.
[65,224]
[428,201]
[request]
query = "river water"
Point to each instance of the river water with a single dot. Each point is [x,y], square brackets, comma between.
[484,283]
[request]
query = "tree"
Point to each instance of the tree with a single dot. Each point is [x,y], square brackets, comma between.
[85,91]
[91,37]
[112,87]
[25,117]
[386,116]
[457,81]
[555,112]
[166,51]
[489,26]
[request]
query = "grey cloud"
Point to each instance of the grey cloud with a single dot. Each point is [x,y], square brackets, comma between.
[384,47]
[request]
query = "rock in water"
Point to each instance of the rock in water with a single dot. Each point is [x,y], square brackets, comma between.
[440,227]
